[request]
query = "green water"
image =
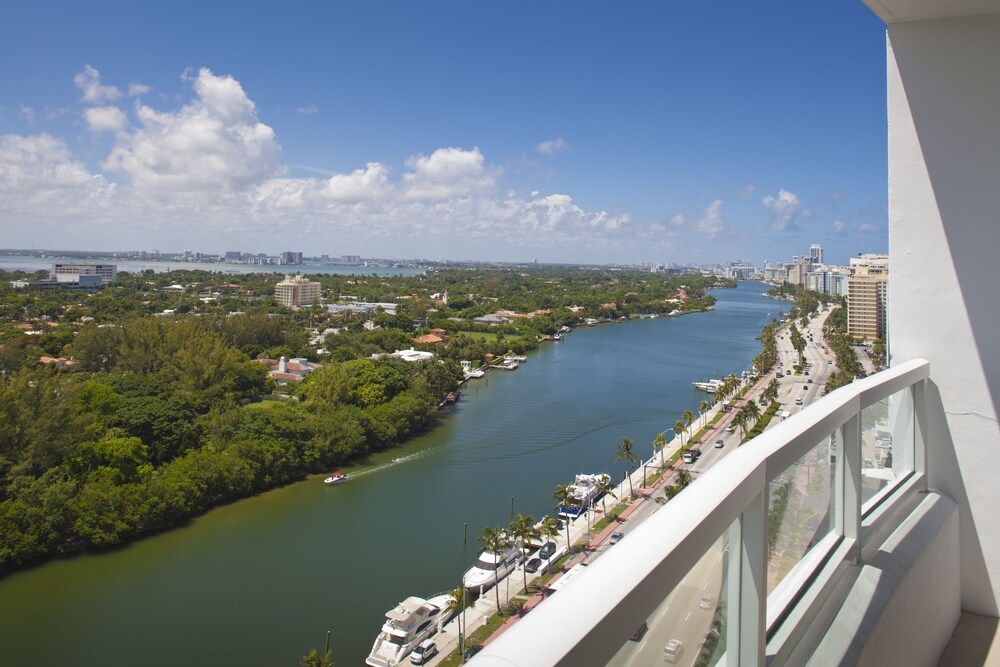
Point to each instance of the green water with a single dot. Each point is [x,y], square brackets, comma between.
[259,582]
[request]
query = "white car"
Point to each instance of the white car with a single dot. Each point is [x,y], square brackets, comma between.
[426,650]
[672,651]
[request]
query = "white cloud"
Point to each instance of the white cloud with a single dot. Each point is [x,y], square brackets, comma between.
[446,173]
[213,146]
[27,113]
[868,228]
[552,146]
[679,220]
[89,83]
[747,191]
[40,184]
[136,89]
[712,223]
[309,109]
[782,209]
[839,227]
[362,184]
[105,119]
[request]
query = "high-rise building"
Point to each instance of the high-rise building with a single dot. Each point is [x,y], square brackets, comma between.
[289,257]
[296,291]
[866,296]
[816,253]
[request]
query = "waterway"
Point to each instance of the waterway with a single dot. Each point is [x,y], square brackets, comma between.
[260,581]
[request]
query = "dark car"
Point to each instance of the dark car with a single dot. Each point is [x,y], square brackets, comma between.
[532,565]
[547,550]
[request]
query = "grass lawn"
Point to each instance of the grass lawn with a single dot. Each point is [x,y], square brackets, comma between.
[488,337]
[266,404]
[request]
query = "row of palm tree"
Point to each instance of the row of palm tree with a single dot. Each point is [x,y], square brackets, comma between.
[747,416]
[730,385]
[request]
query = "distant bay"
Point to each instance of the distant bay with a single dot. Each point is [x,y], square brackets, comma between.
[31,263]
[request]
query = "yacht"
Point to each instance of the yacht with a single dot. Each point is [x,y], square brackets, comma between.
[711,386]
[584,490]
[406,625]
[491,568]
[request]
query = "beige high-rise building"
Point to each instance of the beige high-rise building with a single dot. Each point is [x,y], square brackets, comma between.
[296,291]
[866,296]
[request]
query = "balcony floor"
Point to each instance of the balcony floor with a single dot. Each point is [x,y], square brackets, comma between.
[974,643]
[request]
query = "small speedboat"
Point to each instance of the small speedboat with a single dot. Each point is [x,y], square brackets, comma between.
[336,478]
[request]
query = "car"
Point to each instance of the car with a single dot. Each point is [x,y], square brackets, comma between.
[547,550]
[425,650]
[639,632]
[673,650]
[689,456]
[788,372]
[806,372]
[532,565]
[616,538]
[719,444]
[706,602]
[798,401]
[809,381]
[730,428]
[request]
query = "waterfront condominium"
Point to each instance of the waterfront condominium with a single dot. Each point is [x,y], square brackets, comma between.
[866,296]
[296,291]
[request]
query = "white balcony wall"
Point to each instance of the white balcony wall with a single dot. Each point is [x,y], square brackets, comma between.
[944,240]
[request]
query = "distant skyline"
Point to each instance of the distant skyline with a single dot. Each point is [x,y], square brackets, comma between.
[557,132]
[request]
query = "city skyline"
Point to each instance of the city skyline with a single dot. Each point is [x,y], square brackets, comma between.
[567,134]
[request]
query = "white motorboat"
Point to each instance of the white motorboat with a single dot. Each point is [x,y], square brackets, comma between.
[711,386]
[584,490]
[406,625]
[336,478]
[491,567]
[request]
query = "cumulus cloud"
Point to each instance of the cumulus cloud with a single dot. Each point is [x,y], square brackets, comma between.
[782,209]
[868,228]
[309,109]
[136,89]
[448,172]
[105,119]
[89,83]
[27,113]
[679,220]
[839,227]
[711,222]
[552,146]
[214,145]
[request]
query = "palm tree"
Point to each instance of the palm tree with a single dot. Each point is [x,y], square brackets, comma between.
[314,659]
[459,602]
[523,530]
[606,487]
[753,411]
[563,495]
[703,409]
[721,393]
[671,491]
[679,430]
[659,442]
[682,479]
[741,418]
[626,454]
[688,417]
[770,393]
[548,527]
[496,541]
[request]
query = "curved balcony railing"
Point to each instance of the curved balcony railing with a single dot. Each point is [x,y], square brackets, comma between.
[732,570]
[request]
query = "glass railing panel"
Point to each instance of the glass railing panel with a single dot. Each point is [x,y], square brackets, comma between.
[801,510]
[886,444]
[689,627]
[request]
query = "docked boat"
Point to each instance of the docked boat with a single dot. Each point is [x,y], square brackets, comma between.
[475,373]
[711,386]
[406,625]
[584,490]
[336,478]
[519,358]
[491,567]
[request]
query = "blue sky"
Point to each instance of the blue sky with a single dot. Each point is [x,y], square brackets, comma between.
[556,131]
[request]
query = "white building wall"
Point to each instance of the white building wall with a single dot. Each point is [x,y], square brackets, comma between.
[944,228]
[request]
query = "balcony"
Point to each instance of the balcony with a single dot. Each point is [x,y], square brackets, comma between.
[817,542]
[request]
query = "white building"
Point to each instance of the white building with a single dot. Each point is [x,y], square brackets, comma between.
[71,271]
[296,291]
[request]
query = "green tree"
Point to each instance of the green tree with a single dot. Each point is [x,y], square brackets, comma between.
[315,659]
[523,530]
[459,601]
[563,496]
[606,488]
[495,541]
[626,454]
[703,409]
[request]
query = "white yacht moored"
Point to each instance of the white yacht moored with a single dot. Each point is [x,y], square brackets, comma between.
[406,625]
